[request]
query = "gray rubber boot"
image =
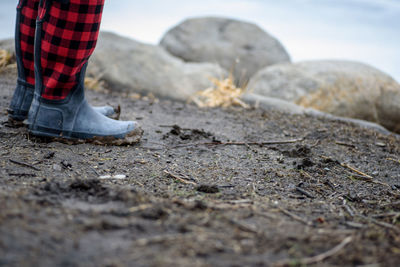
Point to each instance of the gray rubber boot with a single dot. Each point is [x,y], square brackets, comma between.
[73,118]
[23,94]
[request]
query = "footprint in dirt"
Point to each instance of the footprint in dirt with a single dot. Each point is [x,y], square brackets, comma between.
[187,134]
[301,151]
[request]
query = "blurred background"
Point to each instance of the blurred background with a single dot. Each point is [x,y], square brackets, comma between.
[362,30]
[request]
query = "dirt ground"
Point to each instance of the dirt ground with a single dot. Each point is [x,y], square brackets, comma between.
[213,187]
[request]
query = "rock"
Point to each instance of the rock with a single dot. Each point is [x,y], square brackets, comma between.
[57,167]
[342,88]
[270,103]
[136,67]
[116,177]
[231,43]
[8,45]
[276,104]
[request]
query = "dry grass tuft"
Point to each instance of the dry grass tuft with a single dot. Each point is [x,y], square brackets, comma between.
[224,94]
[6,59]
[94,83]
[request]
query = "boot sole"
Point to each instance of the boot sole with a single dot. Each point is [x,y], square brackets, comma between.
[17,115]
[130,138]
[15,123]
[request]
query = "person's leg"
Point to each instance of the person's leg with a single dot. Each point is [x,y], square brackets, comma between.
[66,36]
[27,12]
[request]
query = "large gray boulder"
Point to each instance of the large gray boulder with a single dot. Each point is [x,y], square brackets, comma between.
[233,44]
[136,67]
[8,45]
[341,88]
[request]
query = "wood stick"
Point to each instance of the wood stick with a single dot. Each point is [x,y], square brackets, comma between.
[304,192]
[320,257]
[356,171]
[179,178]
[345,144]
[24,164]
[367,179]
[295,217]
[265,143]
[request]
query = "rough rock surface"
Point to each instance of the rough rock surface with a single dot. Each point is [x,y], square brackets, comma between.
[341,88]
[231,43]
[133,66]
[276,104]
[8,44]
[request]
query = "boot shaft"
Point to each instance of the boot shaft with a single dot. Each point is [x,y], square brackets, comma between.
[25,27]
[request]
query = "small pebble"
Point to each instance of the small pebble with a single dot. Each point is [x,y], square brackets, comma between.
[49,155]
[66,164]
[117,176]
[57,167]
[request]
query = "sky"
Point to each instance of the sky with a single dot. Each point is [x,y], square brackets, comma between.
[362,30]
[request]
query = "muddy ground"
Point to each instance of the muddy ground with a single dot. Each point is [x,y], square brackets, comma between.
[205,192]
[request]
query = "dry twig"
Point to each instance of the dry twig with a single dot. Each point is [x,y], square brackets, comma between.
[295,217]
[318,258]
[176,177]
[24,164]
[304,192]
[356,171]
[277,142]
[345,144]
[366,177]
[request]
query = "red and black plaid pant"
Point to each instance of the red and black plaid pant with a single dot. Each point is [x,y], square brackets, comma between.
[69,34]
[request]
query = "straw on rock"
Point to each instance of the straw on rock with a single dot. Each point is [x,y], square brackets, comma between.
[224,94]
